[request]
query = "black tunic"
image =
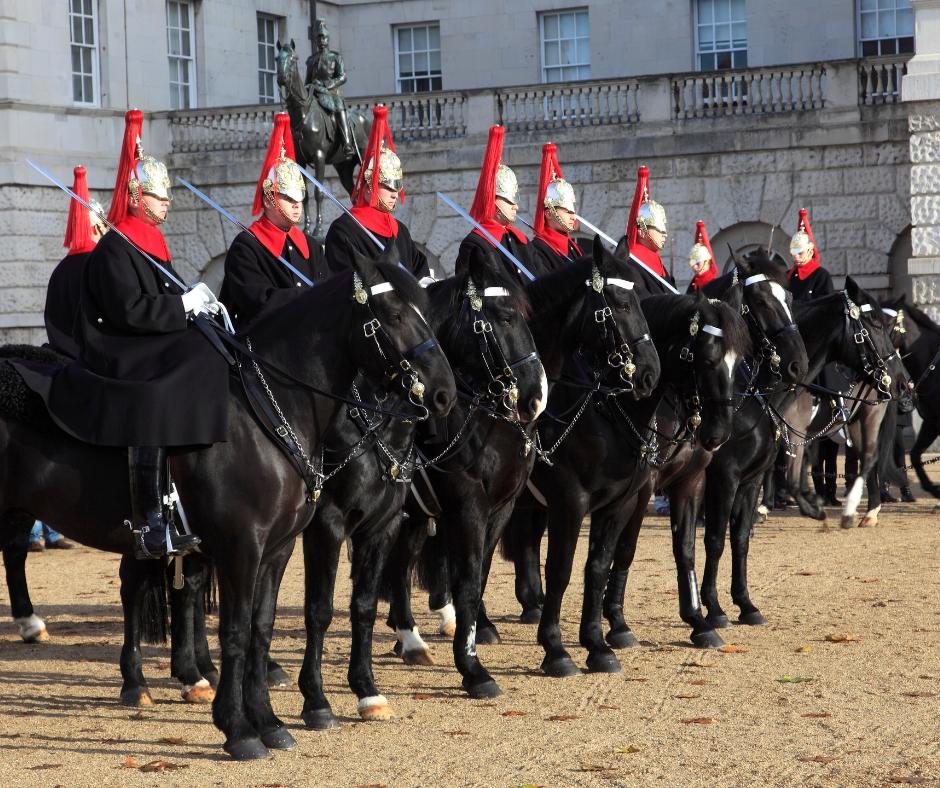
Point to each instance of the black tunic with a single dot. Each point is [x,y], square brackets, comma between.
[545,259]
[648,284]
[146,376]
[816,285]
[509,242]
[256,281]
[345,234]
[62,304]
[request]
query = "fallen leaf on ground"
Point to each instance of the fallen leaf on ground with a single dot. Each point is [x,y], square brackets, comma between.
[686,696]
[841,637]
[162,766]
[594,767]
[920,694]
[698,682]
[806,574]
[609,708]
[914,779]
[816,715]
[628,750]
[513,713]
[457,733]
[271,785]
[113,741]
[795,679]
[43,766]
[731,648]
[818,758]
[634,678]
[698,721]
[130,763]
[422,696]
[172,740]
[804,649]
[563,717]
[373,785]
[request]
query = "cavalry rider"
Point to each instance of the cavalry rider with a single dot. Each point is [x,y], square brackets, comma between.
[255,280]
[83,230]
[146,379]
[701,260]
[494,208]
[326,74]
[646,235]
[377,192]
[553,245]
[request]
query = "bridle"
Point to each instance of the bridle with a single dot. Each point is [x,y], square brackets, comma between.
[768,348]
[875,370]
[694,399]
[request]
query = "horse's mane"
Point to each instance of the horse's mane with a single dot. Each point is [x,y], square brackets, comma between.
[763,263]
[405,284]
[921,318]
[497,276]
[313,308]
[737,337]
[552,290]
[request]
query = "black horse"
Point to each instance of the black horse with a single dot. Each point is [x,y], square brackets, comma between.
[246,498]
[363,500]
[830,327]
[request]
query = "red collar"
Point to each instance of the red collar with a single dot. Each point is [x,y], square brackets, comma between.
[803,271]
[145,237]
[558,241]
[376,221]
[651,259]
[700,280]
[498,230]
[273,237]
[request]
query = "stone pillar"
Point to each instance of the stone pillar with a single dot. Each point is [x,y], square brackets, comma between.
[920,90]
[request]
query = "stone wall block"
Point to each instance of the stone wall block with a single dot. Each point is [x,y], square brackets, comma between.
[775,212]
[843,156]
[841,235]
[814,182]
[925,210]
[669,191]
[698,166]
[834,209]
[925,241]
[746,193]
[778,186]
[722,209]
[894,213]
[446,231]
[925,147]
[887,153]
[866,180]
[24,299]
[22,336]
[594,201]
[925,179]
[210,226]
[798,159]
[923,121]
[421,215]
[865,261]
[748,163]
[26,274]
[834,260]
[879,237]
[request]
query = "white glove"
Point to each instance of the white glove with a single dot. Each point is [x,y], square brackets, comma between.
[200,299]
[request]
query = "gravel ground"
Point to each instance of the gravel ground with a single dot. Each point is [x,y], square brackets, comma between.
[787,707]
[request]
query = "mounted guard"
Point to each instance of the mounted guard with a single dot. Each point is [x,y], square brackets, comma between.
[646,235]
[494,208]
[701,260]
[555,218]
[377,193]
[255,280]
[808,279]
[326,74]
[83,230]
[145,378]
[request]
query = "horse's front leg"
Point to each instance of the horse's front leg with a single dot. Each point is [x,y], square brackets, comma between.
[32,628]
[795,476]
[864,434]
[321,174]
[486,629]
[184,606]
[742,522]
[136,578]
[619,634]
[522,544]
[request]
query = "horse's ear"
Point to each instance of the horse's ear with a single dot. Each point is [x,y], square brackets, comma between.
[851,287]
[598,251]
[734,297]
[622,252]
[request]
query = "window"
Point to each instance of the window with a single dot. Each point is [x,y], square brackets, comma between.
[181,53]
[83,36]
[566,46]
[418,58]
[721,40]
[269,28]
[885,27]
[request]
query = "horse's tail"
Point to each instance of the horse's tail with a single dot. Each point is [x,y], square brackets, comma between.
[154,612]
[431,561]
[210,600]
[400,566]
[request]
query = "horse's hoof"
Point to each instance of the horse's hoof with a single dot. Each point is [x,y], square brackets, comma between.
[200,692]
[212,677]
[32,629]
[621,638]
[488,636]
[560,667]
[42,636]
[868,522]
[531,616]
[603,662]
[718,621]
[707,639]
[375,708]
[448,629]
[136,696]
[250,749]
[847,521]
[279,739]
[483,691]
[277,677]
[752,618]
[320,719]
[419,657]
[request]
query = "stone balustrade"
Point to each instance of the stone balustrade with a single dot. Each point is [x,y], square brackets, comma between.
[568,105]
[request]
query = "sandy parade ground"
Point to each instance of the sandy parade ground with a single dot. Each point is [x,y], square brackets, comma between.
[842,687]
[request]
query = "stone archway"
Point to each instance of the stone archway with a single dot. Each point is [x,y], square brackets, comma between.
[899,279]
[745,237]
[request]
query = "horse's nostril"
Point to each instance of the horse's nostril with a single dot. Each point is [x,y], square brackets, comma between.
[442,400]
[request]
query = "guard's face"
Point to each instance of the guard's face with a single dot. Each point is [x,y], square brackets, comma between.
[804,258]
[656,237]
[563,220]
[284,212]
[388,198]
[323,41]
[699,268]
[505,211]
[150,209]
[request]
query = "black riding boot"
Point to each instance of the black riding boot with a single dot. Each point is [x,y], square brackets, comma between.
[153,537]
[346,134]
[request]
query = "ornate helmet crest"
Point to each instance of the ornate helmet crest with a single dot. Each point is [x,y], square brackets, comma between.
[644,211]
[280,174]
[80,222]
[389,172]
[137,173]
[554,191]
[802,240]
[702,249]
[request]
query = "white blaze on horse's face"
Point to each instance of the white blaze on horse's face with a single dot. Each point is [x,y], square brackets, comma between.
[542,401]
[730,359]
[781,295]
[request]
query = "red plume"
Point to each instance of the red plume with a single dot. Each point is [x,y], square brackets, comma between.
[380,133]
[281,137]
[640,195]
[133,124]
[551,169]
[701,237]
[484,201]
[78,228]
[803,224]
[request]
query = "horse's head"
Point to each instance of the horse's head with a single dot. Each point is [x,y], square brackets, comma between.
[875,356]
[392,342]
[285,61]
[484,327]
[767,311]
[893,315]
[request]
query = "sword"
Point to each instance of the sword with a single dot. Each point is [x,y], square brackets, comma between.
[333,198]
[640,263]
[161,268]
[486,234]
[234,220]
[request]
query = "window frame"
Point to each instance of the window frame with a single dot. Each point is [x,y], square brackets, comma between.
[95,74]
[190,5]
[879,40]
[544,68]
[715,52]
[279,24]
[415,77]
